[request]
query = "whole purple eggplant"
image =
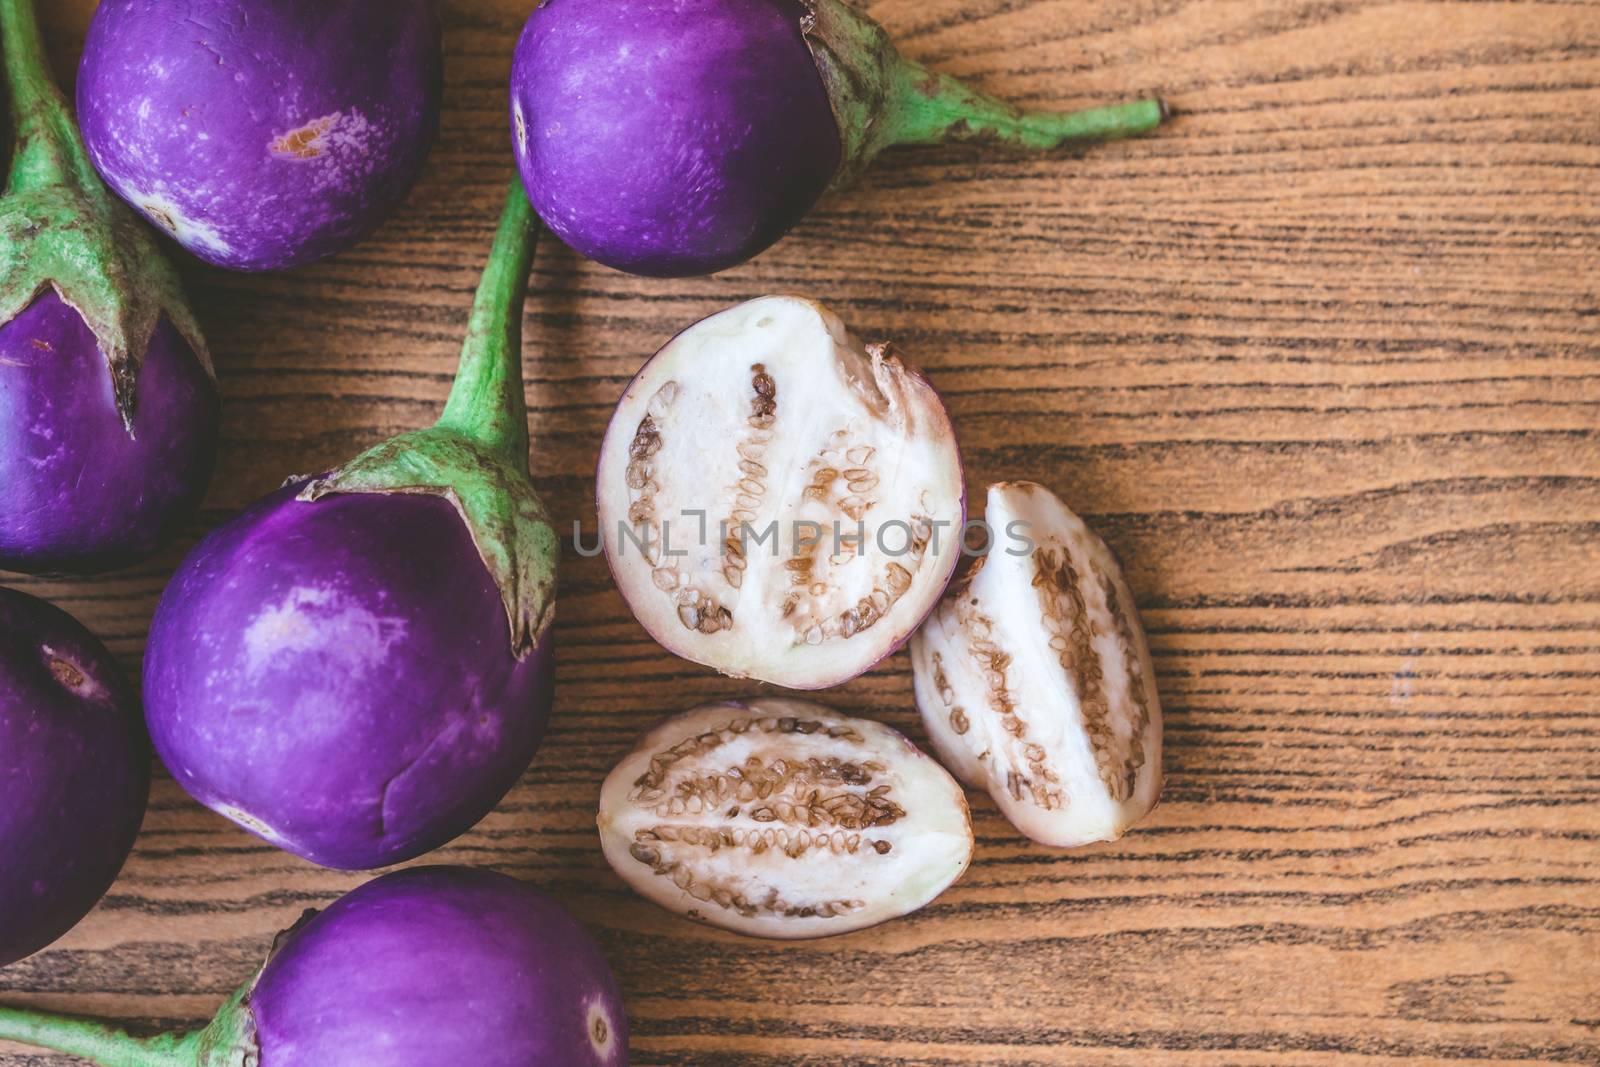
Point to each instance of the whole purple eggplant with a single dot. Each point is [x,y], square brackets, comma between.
[261,134]
[335,676]
[74,773]
[108,412]
[358,667]
[427,967]
[681,137]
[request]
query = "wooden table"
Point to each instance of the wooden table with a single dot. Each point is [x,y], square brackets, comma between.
[1319,360]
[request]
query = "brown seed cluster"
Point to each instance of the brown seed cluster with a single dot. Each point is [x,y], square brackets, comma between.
[843,460]
[786,790]
[726,894]
[662,762]
[748,491]
[1066,619]
[697,608]
[640,473]
[840,459]
[799,567]
[1041,783]
[792,843]
[871,608]
[959,722]
[876,604]
[764,408]
[702,612]
[1134,759]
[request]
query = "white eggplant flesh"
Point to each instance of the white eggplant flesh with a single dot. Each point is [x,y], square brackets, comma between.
[777,500]
[1034,681]
[782,818]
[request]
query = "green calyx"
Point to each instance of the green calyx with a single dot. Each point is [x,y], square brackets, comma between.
[477,454]
[60,226]
[229,1040]
[881,99]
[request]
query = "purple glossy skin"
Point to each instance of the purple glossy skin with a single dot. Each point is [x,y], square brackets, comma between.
[74,773]
[337,678]
[77,492]
[440,967]
[262,134]
[670,137]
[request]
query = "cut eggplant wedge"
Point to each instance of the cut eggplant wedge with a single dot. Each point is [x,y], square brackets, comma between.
[783,818]
[1034,680]
[778,501]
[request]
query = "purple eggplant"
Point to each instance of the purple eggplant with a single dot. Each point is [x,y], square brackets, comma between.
[261,134]
[682,137]
[108,411]
[74,773]
[358,667]
[428,967]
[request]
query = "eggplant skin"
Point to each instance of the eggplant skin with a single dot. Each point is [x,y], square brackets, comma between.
[79,492]
[671,137]
[261,134]
[440,967]
[337,677]
[74,773]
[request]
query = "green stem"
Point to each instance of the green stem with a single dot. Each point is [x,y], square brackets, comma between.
[930,108]
[880,98]
[50,151]
[477,454]
[97,1042]
[487,403]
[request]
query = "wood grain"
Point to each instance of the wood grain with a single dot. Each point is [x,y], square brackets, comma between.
[1320,360]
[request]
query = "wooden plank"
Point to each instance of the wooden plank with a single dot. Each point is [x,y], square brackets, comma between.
[1319,360]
